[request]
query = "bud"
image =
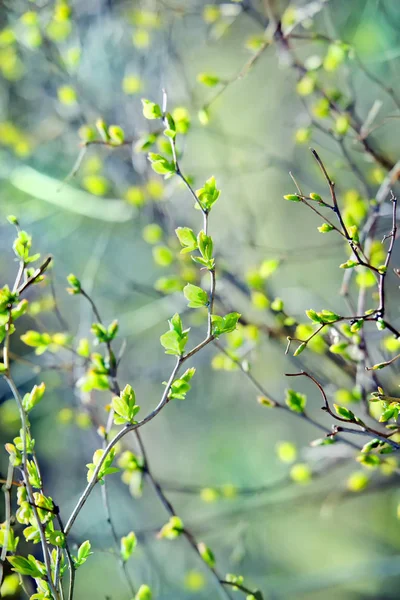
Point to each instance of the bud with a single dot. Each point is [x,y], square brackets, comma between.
[264,401]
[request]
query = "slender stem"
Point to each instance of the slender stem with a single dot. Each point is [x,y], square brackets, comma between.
[24,430]
[367,430]
[127,429]
[7,514]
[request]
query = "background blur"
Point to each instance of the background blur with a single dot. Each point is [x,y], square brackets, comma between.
[59,72]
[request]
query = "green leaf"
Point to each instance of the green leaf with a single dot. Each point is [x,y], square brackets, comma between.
[349,264]
[300,349]
[208,79]
[295,401]
[326,441]
[30,400]
[105,469]
[12,540]
[329,317]
[151,110]
[355,327]
[26,566]
[116,134]
[380,324]
[12,219]
[339,348]
[144,593]
[170,131]
[172,529]
[83,554]
[180,387]
[7,298]
[125,406]
[74,283]
[292,197]
[100,332]
[172,343]
[206,554]
[264,401]
[387,414]
[175,340]
[206,247]
[325,228]
[268,267]
[161,165]
[196,296]
[33,474]
[128,545]
[40,341]
[314,316]
[56,538]
[22,245]
[344,412]
[208,194]
[221,325]
[19,310]
[369,460]
[316,198]
[187,239]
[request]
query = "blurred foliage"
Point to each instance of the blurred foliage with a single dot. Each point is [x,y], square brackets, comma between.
[296,521]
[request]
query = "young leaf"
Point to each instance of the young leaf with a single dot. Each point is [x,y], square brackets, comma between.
[172,529]
[196,296]
[144,593]
[128,545]
[344,412]
[26,566]
[221,325]
[175,340]
[161,165]
[187,239]
[125,407]
[206,554]
[295,401]
[151,110]
[208,79]
[83,554]
[208,194]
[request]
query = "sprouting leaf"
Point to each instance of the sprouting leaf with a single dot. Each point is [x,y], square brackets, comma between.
[206,554]
[83,554]
[30,566]
[187,239]
[161,165]
[180,387]
[295,401]
[196,296]
[208,79]
[144,593]
[344,412]
[172,529]
[106,468]
[325,228]
[226,324]
[128,545]
[151,110]
[175,340]
[30,400]
[125,407]
[208,194]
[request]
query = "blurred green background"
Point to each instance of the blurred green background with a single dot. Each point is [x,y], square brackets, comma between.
[59,72]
